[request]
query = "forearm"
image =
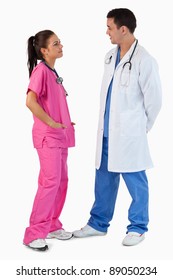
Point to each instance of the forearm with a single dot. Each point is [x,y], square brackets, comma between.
[152,91]
[37,110]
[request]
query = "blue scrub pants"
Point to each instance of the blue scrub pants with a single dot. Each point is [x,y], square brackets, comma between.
[106,190]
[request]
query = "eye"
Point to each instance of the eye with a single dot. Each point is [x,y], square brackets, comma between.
[57,43]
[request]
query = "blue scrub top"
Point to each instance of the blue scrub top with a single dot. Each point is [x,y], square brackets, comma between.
[108,100]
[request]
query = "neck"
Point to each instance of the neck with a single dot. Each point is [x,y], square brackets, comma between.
[51,64]
[125,46]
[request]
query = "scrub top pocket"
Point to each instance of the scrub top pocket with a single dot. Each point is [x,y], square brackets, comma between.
[52,142]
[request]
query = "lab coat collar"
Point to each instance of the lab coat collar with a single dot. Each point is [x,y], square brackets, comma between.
[128,54]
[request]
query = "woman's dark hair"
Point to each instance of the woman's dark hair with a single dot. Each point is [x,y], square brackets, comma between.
[123,16]
[35,43]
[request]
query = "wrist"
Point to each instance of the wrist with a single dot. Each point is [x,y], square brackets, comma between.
[51,123]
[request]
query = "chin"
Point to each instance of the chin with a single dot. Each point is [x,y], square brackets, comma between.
[60,55]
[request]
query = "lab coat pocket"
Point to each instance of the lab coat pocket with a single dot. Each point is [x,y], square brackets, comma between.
[125,78]
[130,124]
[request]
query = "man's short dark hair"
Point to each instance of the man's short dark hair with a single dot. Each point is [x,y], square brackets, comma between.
[123,16]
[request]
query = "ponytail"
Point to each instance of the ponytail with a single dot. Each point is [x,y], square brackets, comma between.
[32,55]
[35,43]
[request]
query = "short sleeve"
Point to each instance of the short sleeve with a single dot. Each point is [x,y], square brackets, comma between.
[37,81]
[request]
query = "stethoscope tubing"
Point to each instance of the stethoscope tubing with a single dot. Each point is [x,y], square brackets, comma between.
[59,79]
[129,61]
[108,60]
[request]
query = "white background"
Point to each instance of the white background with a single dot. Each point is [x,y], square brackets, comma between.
[81,25]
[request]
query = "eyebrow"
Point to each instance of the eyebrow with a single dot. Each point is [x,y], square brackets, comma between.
[57,41]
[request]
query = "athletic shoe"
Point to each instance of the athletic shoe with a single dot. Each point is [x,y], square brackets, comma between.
[87,231]
[38,244]
[133,238]
[60,234]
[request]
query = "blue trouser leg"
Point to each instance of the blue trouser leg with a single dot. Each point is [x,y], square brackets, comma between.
[106,189]
[137,185]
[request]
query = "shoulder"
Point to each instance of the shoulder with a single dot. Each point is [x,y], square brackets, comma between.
[38,79]
[145,59]
[111,52]
[40,68]
[145,55]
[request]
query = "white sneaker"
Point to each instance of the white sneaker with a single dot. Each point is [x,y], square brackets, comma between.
[38,244]
[133,238]
[87,231]
[60,234]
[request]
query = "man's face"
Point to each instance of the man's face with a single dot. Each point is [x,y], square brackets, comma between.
[113,31]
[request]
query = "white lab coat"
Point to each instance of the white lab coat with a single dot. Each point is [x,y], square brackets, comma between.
[133,110]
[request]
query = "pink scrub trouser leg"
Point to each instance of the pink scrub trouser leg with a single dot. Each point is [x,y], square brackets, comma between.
[51,193]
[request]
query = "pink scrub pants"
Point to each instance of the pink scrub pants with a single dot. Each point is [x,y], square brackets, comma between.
[51,193]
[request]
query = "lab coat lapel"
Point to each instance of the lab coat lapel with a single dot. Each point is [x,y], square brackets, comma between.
[126,57]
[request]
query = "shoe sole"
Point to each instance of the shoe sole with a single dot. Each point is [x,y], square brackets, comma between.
[37,249]
[60,238]
[42,249]
[91,235]
[127,245]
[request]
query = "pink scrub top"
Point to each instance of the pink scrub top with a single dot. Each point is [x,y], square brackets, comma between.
[51,96]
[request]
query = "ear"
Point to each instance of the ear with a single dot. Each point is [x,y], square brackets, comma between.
[44,51]
[124,29]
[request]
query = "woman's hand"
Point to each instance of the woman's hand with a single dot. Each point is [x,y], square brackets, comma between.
[54,124]
[37,110]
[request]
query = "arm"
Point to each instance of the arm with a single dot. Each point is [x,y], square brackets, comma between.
[151,89]
[36,109]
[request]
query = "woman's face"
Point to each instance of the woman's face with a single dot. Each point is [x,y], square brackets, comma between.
[54,48]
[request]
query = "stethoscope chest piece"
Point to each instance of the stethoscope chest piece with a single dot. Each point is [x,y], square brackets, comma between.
[59,80]
[108,60]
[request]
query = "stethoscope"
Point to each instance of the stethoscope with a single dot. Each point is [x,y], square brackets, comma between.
[127,63]
[59,79]
[108,60]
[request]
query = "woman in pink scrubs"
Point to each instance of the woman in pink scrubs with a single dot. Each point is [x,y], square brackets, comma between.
[53,134]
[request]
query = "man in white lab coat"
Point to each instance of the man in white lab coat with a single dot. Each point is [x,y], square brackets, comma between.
[129,104]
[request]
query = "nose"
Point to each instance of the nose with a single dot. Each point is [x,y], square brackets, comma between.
[107,31]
